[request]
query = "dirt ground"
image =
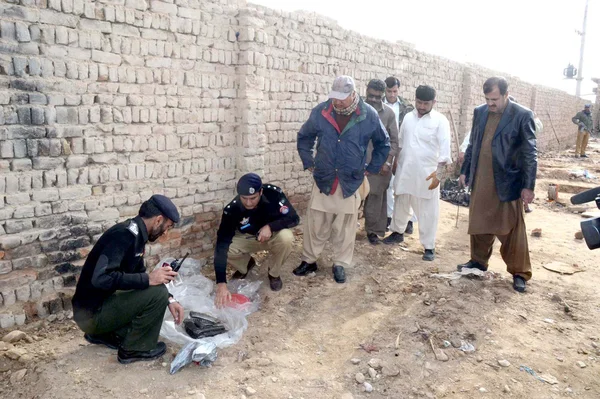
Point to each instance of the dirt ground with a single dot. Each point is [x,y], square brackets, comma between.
[305,340]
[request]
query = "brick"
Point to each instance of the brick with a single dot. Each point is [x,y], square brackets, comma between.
[45,195]
[5,266]
[35,262]
[74,192]
[17,226]
[7,320]
[164,8]
[18,199]
[20,165]
[43,163]
[57,19]
[22,32]
[26,132]
[67,115]
[6,149]
[17,12]
[8,30]
[77,161]
[94,25]
[106,58]
[125,30]
[9,242]
[105,214]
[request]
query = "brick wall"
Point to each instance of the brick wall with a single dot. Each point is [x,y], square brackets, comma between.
[103,103]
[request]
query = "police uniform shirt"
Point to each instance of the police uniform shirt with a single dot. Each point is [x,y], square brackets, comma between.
[115,263]
[273,209]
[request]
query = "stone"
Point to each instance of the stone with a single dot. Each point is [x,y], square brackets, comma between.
[17,376]
[390,370]
[536,232]
[372,373]
[375,363]
[581,364]
[504,363]
[15,353]
[368,387]
[441,355]
[354,360]
[579,235]
[482,390]
[4,346]
[14,336]
[143,391]
[506,389]
[359,377]
[250,391]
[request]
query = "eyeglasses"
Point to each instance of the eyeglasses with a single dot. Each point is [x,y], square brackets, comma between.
[374,97]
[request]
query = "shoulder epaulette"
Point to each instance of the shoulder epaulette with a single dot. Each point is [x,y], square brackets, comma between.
[272,187]
[133,228]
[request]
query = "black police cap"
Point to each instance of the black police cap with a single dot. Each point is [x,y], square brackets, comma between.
[166,207]
[249,184]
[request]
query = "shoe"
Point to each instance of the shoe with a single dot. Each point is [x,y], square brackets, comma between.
[275,283]
[110,340]
[305,268]
[394,238]
[409,228]
[471,264]
[126,357]
[373,239]
[339,275]
[389,221]
[583,156]
[519,284]
[239,275]
[429,254]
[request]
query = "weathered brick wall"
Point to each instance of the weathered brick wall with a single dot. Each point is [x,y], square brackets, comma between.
[103,103]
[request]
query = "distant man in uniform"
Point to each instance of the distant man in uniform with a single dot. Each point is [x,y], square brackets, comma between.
[259,218]
[424,153]
[500,166]
[584,123]
[118,304]
[342,127]
[375,208]
[401,107]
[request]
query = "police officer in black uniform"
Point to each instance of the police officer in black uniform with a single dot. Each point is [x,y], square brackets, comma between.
[258,219]
[118,304]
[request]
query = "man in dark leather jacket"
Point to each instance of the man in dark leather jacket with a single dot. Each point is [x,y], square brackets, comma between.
[500,166]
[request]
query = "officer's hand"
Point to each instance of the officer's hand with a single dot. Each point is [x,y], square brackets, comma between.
[385,170]
[162,275]
[177,311]
[462,180]
[264,234]
[223,296]
[434,180]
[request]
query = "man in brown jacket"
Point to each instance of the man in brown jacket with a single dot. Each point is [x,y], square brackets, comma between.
[376,203]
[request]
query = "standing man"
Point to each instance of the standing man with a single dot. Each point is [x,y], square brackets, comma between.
[500,166]
[259,218]
[116,303]
[424,153]
[583,120]
[375,208]
[401,107]
[342,127]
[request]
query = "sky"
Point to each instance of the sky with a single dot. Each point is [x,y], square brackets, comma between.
[534,40]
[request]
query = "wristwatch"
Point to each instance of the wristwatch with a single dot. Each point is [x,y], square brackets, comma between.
[172,300]
[388,163]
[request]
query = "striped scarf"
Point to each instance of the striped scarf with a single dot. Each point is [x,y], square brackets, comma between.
[349,109]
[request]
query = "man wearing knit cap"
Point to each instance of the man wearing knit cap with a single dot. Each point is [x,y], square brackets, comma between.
[342,128]
[118,304]
[259,218]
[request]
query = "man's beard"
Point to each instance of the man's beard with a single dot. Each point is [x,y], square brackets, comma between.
[155,235]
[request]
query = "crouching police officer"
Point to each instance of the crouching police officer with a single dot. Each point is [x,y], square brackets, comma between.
[116,303]
[259,218]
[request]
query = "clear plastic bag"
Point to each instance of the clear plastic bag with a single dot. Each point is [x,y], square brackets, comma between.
[195,293]
[204,353]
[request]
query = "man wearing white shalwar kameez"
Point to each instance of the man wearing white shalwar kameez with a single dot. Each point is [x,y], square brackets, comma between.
[425,151]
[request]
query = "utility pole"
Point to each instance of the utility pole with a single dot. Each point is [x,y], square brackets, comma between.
[580,69]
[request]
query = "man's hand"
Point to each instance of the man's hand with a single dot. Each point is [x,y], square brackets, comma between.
[162,275]
[434,181]
[177,311]
[462,180]
[311,169]
[527,195]
[223,296]
[264,234]
[394,167]
[385,169]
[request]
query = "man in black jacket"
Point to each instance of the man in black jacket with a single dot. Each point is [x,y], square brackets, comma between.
[500,166]
[118,304]
[259,218]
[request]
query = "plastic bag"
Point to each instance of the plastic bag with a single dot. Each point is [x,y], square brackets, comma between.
[195,294]
[204,353]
